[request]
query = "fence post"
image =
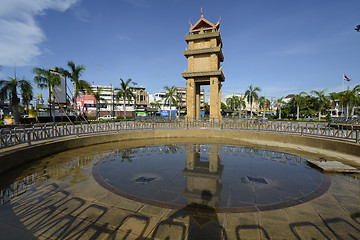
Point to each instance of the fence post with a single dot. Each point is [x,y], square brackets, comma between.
[357,136]
[29,136]
[302,130]
[77,131]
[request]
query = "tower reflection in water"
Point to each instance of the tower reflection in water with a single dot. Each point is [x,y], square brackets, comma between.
[203,191]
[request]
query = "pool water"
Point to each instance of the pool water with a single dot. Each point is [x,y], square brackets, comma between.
[235,176]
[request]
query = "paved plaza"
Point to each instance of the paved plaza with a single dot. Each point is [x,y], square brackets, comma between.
[57,199]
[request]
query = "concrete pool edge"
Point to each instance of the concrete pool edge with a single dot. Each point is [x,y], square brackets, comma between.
[346,152]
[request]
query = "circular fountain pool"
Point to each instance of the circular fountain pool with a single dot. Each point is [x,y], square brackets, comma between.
[236,177]
[149,187]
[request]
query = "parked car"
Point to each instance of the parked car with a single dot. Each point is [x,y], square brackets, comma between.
[106,117]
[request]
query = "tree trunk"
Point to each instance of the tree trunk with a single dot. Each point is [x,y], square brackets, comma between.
[170,110]
[97,111]
[240,112]
[124,109]
[280,112]
[50,103]
[347,111]
[264,111]
[15,110]
[297,111]
[251,114]
[53,104]
[319,112]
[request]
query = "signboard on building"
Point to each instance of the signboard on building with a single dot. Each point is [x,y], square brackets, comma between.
[166,113]
[60,89]
[85,99]
[141,114]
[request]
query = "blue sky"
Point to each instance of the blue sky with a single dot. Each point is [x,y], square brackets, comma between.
[282,46]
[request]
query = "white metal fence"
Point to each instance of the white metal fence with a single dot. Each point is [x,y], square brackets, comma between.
[21,135]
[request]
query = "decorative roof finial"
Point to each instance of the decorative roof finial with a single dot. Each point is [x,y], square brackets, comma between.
[190,23]
[202,13]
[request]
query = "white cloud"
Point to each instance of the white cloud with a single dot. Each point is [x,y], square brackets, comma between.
[20,36]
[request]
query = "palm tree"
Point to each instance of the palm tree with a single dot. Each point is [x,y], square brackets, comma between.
[27,95]
[333,96]
[251,95]
[321,98]
[356,92]
[74,75]
[125,92]
[98,98]
[171,96]
[46,79]
[280,101]
[9,91]
[242,104]
[263,103]
[299,100]
[232,102]
[349,97]
[156,104]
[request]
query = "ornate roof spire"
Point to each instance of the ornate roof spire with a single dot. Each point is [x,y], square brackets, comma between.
[202,15]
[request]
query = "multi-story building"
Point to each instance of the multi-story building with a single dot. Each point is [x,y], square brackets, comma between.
[110,106]
[181,93]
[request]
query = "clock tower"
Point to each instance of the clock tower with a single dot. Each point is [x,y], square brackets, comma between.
[204,54]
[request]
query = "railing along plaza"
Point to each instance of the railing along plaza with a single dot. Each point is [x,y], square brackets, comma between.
[20,135]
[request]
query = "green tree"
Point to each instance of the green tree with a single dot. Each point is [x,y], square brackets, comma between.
[9,91]
[27,95]
[263,103]
[350,98]
[299,100]
[44,78]
[171,97]
[156,104]
[125,92]
[242,104]
[207,108]
[251,96]
[74,75]
[321,98]
[232,102]
[98,98]
[357,28]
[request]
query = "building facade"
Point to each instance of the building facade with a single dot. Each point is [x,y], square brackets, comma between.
[108,104]
[181,94]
